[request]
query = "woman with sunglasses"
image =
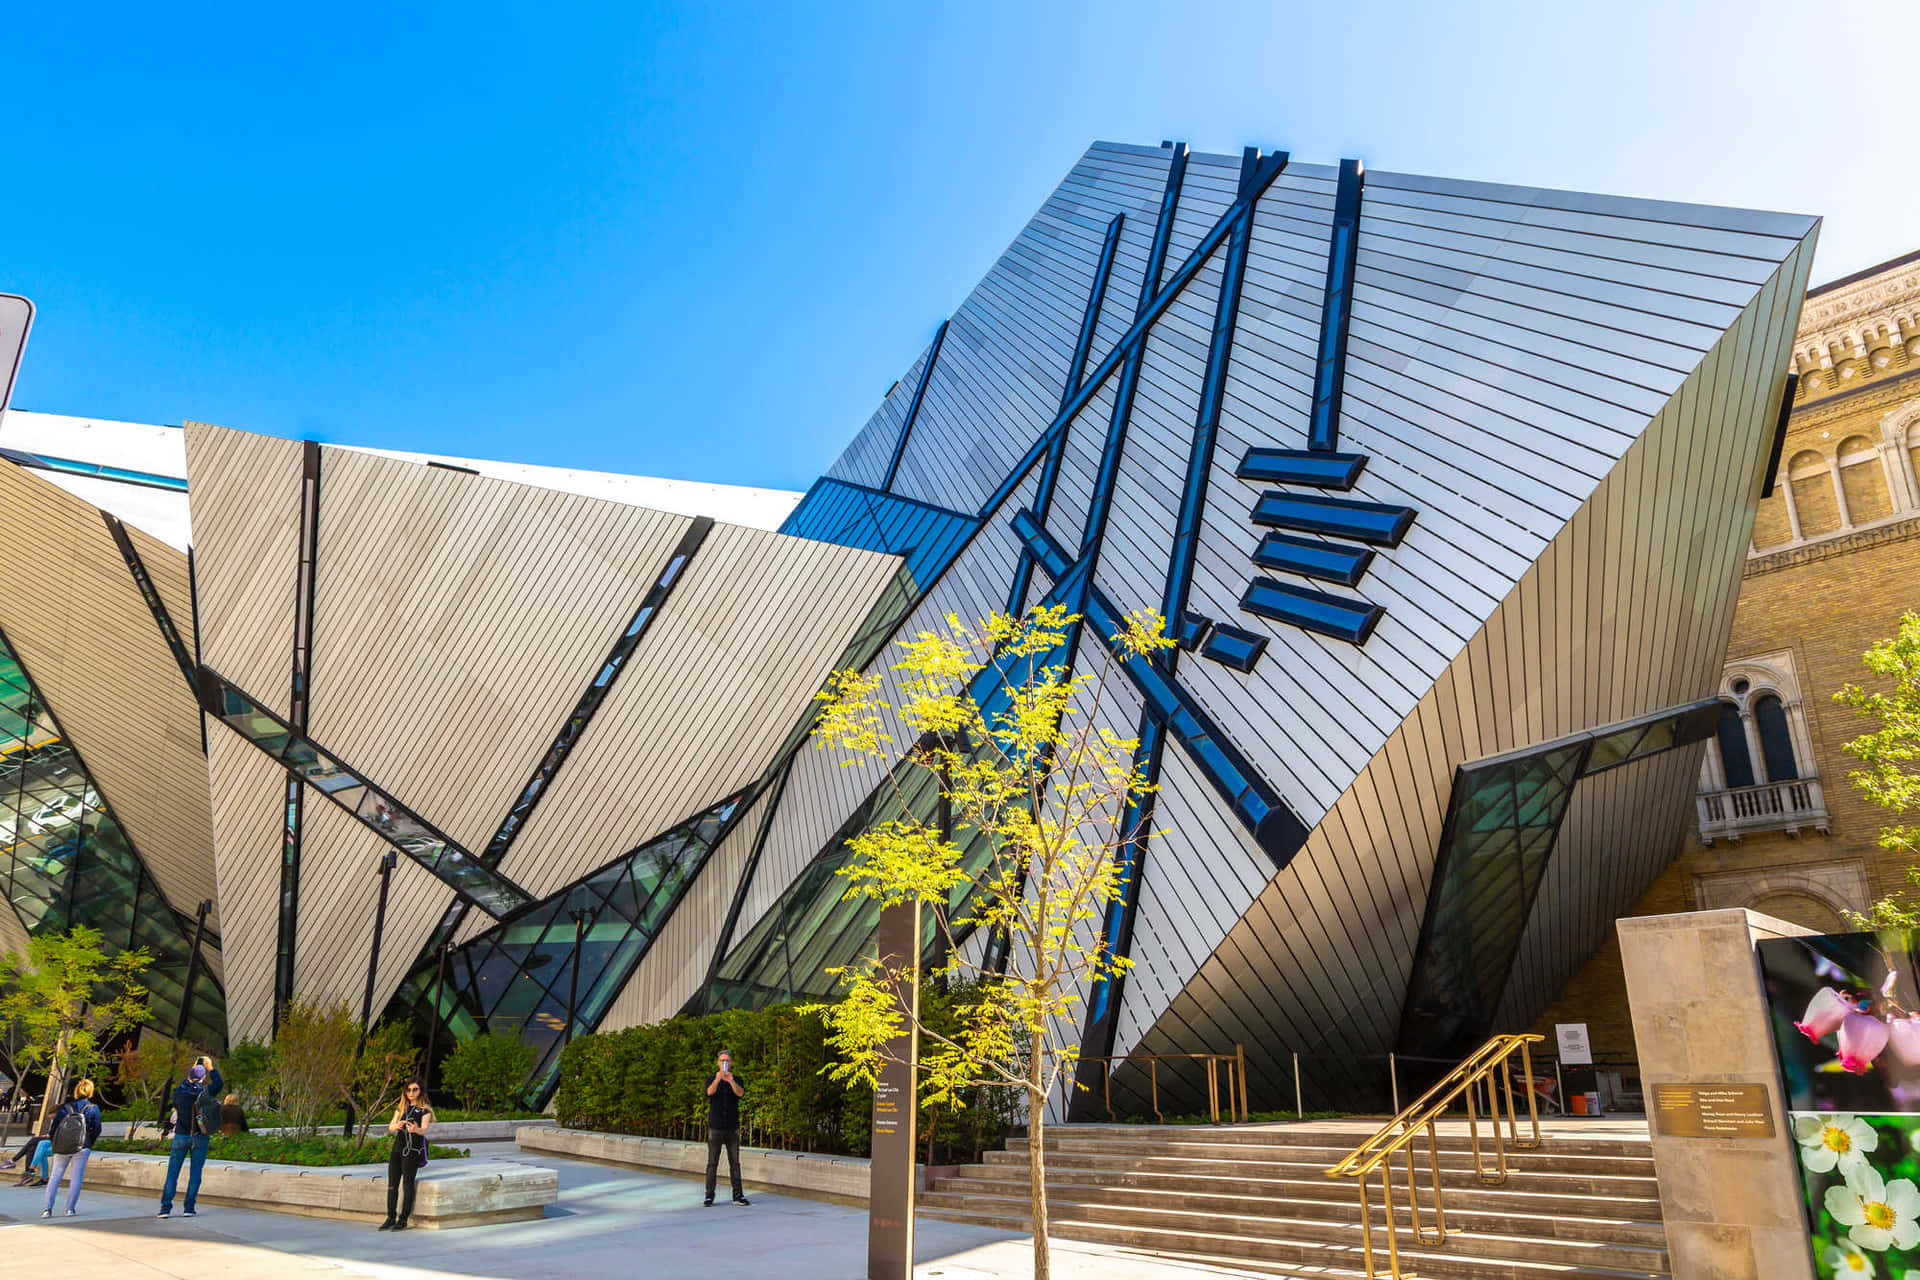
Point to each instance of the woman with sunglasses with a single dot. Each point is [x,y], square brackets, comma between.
[412,1114]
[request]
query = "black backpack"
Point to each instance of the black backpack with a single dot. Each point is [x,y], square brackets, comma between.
[69,1132]
[206,1112]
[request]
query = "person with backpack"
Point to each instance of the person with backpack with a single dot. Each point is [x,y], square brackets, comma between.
[76,1127]
[412,1115]
[195,1119]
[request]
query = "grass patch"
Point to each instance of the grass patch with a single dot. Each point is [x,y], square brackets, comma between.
[320,1151]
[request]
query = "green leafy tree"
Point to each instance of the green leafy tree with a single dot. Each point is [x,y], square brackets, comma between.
[312,1060]
[489,1072]
[246,1068]
[146,1071]
[383,1065]
[69,998]
[1889,756]
[1023,842]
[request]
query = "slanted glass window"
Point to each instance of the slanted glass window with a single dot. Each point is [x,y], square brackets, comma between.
[1776,739]
[518,976]
[1731,735]
[65,860]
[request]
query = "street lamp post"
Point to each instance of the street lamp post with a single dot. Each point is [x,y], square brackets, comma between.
[193,971]
[387,864]
[579,915]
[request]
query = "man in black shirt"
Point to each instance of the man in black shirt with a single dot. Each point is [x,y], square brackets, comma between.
[724,1092]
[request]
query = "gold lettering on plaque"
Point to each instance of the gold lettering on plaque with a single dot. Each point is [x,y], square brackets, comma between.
[1712,1111]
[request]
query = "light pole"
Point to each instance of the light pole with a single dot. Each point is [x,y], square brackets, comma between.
[579,915]
[387,864]
[193,971]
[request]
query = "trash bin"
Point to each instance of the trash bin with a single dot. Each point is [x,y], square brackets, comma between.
[1578,1104]
[1593,1104]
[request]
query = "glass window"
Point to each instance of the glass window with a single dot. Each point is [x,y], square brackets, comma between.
[1776,739]
[1731,735]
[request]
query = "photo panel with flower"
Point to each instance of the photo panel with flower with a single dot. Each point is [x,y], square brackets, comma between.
[1845,1010]
[1861,1175]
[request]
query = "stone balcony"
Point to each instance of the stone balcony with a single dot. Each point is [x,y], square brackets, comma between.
[1790,806]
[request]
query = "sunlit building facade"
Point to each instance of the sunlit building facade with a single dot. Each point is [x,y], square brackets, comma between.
[1444,487]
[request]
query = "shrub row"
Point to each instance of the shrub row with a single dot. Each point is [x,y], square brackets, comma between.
[651,1081]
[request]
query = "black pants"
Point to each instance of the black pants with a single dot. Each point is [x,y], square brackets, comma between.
[730,1139]
[401,1169]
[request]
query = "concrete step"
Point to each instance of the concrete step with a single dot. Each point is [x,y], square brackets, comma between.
[1624,1219]
[1548,1159]
[1512,1241]
[1323,1258]
[1601,1181]
[1341,1140]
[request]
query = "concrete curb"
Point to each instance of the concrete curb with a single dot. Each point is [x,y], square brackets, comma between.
[447,1195]
[840,1179]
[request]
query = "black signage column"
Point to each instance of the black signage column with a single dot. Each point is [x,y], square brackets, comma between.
[890,1196]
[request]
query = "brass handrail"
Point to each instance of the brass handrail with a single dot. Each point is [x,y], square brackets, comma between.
[1491,1066]
[1236,1080]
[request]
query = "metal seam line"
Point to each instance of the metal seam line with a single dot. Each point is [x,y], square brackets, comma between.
[1104,1000]
[155,605]
[294,813]
[734,908]
[1323,432]
[1136,334]
[372,806]
[1076,368]
[574,727]
[93,470]
[1275,827]
[913,407]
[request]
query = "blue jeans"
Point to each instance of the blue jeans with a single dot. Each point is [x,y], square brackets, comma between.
[177,1151]
[76,1163]
[41,1154]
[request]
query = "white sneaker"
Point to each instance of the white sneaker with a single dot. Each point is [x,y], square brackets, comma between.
[46,1213]
[73,1213]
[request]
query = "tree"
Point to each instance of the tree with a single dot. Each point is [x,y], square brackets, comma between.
[489,1072]
[246,1068]
[1029,797]
[1890,759]
[386,1062]
[69,998]
[149,1068]
[312,1060]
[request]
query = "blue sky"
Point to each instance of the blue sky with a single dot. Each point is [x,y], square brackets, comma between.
[701,241]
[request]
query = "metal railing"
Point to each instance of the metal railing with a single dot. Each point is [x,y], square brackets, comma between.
[1771,806]
[1488,1069]
[1235,1079]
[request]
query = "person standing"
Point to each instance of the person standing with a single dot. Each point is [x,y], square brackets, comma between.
[724,1092]
[76,1127]
[412,1115]
[195,1118]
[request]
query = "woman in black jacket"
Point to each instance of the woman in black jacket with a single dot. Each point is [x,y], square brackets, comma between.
[411,1116]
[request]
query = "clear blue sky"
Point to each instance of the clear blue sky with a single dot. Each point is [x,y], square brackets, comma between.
[701,241]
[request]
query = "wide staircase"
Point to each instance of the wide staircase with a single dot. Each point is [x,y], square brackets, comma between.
[1286,1199]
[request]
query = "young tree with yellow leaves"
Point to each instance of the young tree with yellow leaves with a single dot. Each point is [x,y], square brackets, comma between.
[1030,801]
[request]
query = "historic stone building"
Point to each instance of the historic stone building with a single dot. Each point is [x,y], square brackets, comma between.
[1835,561]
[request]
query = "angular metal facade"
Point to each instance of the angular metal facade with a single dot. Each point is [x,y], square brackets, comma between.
[1445,487]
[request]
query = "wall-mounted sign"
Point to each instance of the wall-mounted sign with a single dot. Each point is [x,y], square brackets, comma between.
[1576,1050]
[16,317]
[1712,1111]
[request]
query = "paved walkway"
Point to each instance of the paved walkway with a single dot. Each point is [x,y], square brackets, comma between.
[609,1222]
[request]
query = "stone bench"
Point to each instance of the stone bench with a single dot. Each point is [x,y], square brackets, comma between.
[841,1179]
[449,1193]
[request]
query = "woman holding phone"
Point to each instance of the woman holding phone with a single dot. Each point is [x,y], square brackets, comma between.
[412,1115]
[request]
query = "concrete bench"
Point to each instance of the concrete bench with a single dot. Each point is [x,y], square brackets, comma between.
[841,1179]
[449,1193]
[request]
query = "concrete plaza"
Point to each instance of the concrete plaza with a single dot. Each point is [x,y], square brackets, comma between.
[608,1222]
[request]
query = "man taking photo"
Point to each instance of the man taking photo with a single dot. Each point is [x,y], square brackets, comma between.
[724,1092]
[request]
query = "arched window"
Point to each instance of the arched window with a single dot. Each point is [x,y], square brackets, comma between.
[1811,477]
[1776,740]
[1733,747]
[1864,480]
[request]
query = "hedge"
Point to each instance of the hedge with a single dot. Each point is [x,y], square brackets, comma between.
[651,1081]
